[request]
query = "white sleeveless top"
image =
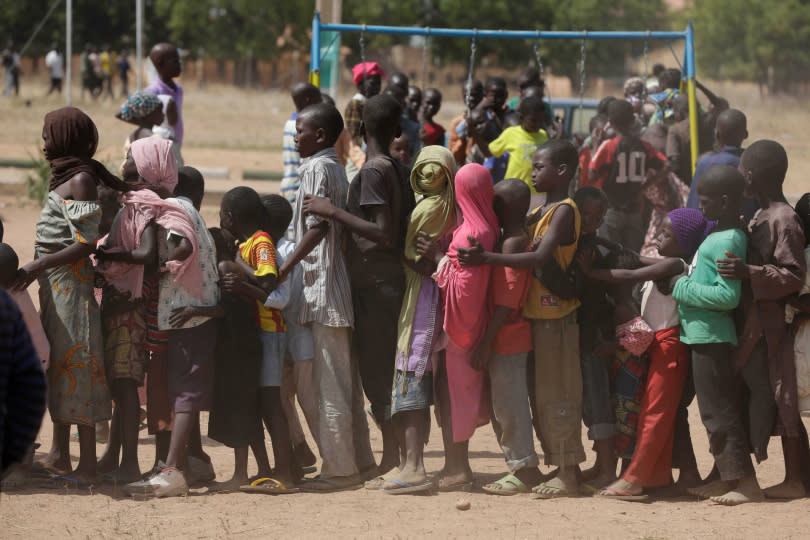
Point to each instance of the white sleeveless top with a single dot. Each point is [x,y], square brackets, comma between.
[660,311]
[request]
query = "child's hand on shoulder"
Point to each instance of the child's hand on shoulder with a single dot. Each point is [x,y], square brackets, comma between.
[427,247]
[320,206]
[732,267]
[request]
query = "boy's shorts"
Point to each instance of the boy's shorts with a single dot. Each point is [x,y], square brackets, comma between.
[273,345]
[299,342]
[191,367]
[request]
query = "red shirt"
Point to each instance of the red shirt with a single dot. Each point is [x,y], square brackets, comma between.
[509,287]
[584,162]
[621,166]
[434,133]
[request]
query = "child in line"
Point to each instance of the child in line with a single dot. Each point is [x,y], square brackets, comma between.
[431,132]
[706,301]
[303,95]
[503,350]
[296,371]
[192,339]
[520,141]
[376,215]
[367,78]
[326,303]
[145,110]
[459,141]
[621,167]
[243,215]
[555,333]
[419,327]
[682,232]
[598,134]
[400,150]
[166,60]
[413,103]
[410,129]
[461,391]
[774,270]
[494,102]
[797,313]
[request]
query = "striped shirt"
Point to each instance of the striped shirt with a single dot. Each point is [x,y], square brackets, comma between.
[289,154]
[22,385]
[327,298]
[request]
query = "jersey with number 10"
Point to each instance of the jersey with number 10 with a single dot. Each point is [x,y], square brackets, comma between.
[621,165]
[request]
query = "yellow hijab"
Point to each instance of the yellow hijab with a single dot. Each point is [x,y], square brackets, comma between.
[435,214]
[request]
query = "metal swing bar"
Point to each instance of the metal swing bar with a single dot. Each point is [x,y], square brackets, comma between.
[687,35]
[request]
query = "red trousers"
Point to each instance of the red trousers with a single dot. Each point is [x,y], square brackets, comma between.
[651,464]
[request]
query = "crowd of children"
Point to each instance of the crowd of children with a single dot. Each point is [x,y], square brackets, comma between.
[496,277]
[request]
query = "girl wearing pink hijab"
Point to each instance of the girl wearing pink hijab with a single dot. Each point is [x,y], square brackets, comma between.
[461,396]
[128,261]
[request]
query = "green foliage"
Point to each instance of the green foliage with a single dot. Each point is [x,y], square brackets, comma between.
[742,42]
[39,178]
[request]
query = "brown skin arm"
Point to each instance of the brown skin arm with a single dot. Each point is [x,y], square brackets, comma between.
[429,249]
[81,187]
[144,254]
[171,113]
[181,250]
[237,285]
[476,136]
[662,268]
[380,229]
[560,232]
[424,266]
[308,242]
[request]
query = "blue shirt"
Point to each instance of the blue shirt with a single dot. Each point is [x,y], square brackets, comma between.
[729,155]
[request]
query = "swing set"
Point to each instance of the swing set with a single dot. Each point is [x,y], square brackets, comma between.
[687,66]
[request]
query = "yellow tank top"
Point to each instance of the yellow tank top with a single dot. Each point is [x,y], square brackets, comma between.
[541,303]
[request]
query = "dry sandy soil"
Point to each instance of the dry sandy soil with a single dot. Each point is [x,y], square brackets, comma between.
[239,129]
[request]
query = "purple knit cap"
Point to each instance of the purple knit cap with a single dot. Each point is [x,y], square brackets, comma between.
[691,228]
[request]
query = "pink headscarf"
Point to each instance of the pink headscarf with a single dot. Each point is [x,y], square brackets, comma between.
[155,161]
[156,164]
[465,287]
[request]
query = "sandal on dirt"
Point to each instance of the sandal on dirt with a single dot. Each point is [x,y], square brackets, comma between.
[508,485]
[557,493]
[268,486]
[621,495]
[332,485]
[403,488]
[451,488]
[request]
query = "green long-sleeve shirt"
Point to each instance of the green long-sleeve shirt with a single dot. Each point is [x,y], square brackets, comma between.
[706,301]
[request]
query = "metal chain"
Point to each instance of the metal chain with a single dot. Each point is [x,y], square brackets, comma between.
[540,67]
[425,52]
[470,74]
[582,73]
[363,57]
[646,65]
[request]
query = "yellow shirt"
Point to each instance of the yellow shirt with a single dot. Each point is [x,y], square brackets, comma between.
[541,303]
[260,254]
[521,146]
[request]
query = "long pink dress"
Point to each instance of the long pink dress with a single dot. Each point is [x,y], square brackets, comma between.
[464,290]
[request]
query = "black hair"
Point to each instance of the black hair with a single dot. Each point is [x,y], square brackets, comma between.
[733,125]
[803,209]
[561,152]
[8,264]
[396,92]
[401,77]
[723,180]
[597,120]
[434,91]
[766,158]
[279,214]
[602,108]
[415,90]
[495,81]
[245,206]
[512,191]
[305,89]
[670,78]
[530,76]
[681,104]
[381,116]
[2,230]
[326,117]
[531,105]
[620,113]
[326,98]
[590,193]
[225,252]
[657,69]
[190,183]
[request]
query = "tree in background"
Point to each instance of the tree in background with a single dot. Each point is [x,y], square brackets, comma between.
[766,41]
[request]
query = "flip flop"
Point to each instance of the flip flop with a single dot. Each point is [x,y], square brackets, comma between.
[61,481]
[558,493]
[40,470]
[268,486]
[620,495]
[404,487]
[330,485]
[508,485]
[309,470]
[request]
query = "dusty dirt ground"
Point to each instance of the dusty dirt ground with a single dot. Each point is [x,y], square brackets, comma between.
[242,129]
[105,512]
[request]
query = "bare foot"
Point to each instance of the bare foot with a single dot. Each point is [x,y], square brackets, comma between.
[411,477]
[713,489]
[789,489]
[378,481]
[561,486]
[227,487]
[447,481]
[747,491]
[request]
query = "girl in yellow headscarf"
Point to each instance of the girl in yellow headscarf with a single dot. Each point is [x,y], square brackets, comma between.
[421,317]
